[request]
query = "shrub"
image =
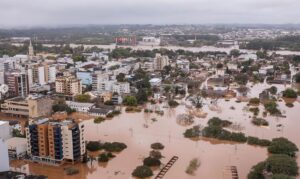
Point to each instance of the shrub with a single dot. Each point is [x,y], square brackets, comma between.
[290,105]
[192,132]
[289,93]
[110,115]
[99,119]
[255,111]
[151,162]
[83,98]
[215,121]
[130,101]
[259,122]
[282,146]
[238,137]
[157,146]
[281,176]
[114,147]
[254,101]
[282,164]
[93,146]
[71,171]
[278,165]
[103,157]
[155,154]
[142,172]
[257,141]
[110,155]
[273,90]
[173,103]
[256,171]
[133,109]
[219,133]
[271,107]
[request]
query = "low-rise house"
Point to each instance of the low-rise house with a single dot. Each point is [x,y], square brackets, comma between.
[80,107]
[101,111]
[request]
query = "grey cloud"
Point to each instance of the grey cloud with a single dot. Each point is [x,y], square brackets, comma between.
[64,12]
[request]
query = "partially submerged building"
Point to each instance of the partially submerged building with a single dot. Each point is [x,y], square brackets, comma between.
[55,142]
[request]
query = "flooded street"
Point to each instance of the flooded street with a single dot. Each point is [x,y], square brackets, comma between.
[139,130]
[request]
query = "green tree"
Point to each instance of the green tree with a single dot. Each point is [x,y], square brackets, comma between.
[142,172]
[282,164]
[234,53]
[130,101]
[151,162]
[283,146]
[297,78]
[83,98]
[289,93]
[120,77]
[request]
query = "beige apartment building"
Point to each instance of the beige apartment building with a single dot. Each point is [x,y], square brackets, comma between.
[68,85]
[32,106]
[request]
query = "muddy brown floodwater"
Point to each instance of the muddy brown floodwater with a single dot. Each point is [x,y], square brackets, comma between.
[139,131]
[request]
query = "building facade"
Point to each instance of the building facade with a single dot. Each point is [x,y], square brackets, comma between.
[55,142]
[160,62]
[33,106]
[18,84]
[68,85]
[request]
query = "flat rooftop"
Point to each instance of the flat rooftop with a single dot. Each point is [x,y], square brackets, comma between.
[15,141]
[17,99]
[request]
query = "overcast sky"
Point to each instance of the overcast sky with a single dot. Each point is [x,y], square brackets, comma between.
[14,13]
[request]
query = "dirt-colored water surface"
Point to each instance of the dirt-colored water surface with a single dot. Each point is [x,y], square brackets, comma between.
[140,130]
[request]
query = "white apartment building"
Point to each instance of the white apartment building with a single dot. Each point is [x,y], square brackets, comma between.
[41,75]
[121,88]
[52,74]
[73,145]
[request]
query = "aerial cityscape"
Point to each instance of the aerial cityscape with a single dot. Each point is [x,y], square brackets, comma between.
[149,90]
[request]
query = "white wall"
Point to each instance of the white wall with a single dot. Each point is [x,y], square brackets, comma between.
[42,75]
[4,164]
[52,74]
[5,130]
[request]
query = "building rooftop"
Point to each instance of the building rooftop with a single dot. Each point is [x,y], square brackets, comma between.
[3,122]
[15,141]
[17,99]
[79,104]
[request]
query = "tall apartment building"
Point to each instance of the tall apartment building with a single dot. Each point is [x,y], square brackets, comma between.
[68,85]
[17,83]
[55,142]
[41,74]
[160,62]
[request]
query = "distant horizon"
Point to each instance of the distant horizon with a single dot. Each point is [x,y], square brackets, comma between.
[54,13]
[27,27]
